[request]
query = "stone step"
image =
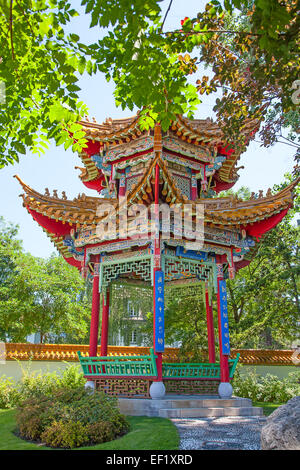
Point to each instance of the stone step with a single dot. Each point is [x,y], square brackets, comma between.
[137,405]
[212,412]
[205,403]
[188,407]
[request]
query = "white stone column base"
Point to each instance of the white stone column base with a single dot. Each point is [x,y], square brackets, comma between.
[157,390]
[89,386]
[225,390]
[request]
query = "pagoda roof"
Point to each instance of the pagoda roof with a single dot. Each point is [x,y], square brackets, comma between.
[204,131]
[58,216]
[199,132]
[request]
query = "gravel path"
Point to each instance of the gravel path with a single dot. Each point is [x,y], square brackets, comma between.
[227,433]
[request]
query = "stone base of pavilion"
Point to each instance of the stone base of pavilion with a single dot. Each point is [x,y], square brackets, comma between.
[189,406]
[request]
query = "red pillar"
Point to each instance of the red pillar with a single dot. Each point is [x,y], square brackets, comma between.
[224,366]
[210,329]
[95,311]
[105,321]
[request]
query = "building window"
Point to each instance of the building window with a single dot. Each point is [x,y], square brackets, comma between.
[133,338]
[130,309]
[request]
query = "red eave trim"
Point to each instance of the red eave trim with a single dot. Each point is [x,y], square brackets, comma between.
[259,228]
[51,225]
[222,186]
[95,184]
[73,262]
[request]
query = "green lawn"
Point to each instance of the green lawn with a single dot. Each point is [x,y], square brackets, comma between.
[267,407]
[145,434]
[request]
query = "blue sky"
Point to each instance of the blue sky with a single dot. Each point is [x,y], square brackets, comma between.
[55,170]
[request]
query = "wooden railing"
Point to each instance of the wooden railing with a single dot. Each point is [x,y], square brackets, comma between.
[68,352]
[145,366]
[119,366]
[199,371]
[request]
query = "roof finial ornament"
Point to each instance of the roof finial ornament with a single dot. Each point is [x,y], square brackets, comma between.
[55,193]
[64,196]
[269,192]
[47,193]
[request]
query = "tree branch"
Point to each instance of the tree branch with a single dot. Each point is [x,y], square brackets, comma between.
[11,29]
[25,16]
[165,17]
[214,31]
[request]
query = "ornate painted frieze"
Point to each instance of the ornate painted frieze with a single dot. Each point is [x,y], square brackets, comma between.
[208,248]
[228,238]
[126,254]
[181,163]
[127,150]
[190,150]
[197,255]
[118,246]
[136,163]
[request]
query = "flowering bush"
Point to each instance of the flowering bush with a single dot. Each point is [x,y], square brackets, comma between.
[268,388]
[70,418]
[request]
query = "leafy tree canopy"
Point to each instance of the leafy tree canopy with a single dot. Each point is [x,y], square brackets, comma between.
[252,47]
[39,295]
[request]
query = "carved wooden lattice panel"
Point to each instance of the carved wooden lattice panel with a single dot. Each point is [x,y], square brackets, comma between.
[129,388]
[140,267]
[178,268]
[192,387]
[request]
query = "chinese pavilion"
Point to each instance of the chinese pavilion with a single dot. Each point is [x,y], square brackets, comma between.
[183,170]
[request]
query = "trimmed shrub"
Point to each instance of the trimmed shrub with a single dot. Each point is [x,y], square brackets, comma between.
[101,431]
[70,418]
[68,434]
[33,416]
[120,424]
